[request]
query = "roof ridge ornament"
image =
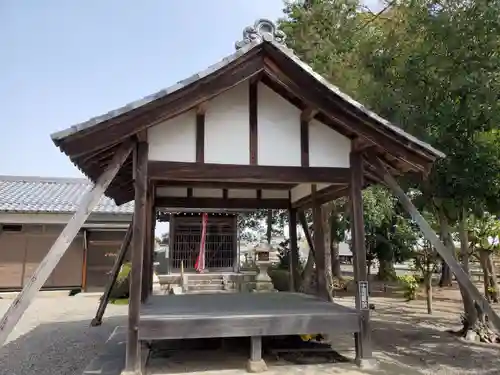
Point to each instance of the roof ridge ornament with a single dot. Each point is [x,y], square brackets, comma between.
[262,30]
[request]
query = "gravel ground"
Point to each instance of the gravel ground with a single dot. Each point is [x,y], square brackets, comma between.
[54,336]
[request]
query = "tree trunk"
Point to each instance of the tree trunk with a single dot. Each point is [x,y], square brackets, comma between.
[335,250]
[446,278]
[386,270]
[307,274]
[483,261]
[269,232]
[428,285]
[464,241]
[336,270]
[470,306]
[492,279]
[325,213]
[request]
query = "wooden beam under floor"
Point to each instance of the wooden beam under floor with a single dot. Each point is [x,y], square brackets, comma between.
[62,243]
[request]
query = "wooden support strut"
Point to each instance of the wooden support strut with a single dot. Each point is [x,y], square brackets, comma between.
[319,245]
[461,276]
[62,243]
[97,321]
[363,337]
[305,228]
[133,355]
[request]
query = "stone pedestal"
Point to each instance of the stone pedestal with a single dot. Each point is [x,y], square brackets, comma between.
[263,282]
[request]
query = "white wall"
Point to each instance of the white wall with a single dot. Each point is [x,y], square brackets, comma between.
[227,129]
[174,139]
[327,148]
[278,135]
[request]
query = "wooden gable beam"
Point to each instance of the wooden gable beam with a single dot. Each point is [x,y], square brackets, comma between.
[163,170]
[303,89]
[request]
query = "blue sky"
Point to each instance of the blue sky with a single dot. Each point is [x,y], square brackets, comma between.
[64,62]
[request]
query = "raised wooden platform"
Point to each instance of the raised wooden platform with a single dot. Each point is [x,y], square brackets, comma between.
[242,314]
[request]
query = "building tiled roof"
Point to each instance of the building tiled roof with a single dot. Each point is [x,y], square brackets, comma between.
[51,195]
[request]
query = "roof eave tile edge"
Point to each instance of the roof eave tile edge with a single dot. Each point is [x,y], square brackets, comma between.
[290,54]
[59,136]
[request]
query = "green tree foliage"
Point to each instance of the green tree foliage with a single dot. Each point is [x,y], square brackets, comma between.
[432,68]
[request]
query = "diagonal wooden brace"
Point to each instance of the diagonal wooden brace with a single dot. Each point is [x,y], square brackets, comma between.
[62,243]
[461,276]
[97,321]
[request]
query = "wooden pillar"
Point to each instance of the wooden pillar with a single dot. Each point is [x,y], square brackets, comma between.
[363,337]
[152,241]
[294,250]
[133,355]
[319,245]
[236,250]
[147,265]
[171,242]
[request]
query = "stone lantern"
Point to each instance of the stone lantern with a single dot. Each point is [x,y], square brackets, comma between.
[263,282]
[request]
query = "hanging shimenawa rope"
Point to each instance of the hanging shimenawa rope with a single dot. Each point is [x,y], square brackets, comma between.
[200,261]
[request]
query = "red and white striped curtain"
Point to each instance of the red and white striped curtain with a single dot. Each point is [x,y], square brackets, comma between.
[200,261]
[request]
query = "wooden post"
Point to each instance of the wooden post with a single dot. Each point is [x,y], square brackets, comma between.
[133,355]
[319,245]
[363,337]
[148,256]
[97,321]
[84,260]
[294,250]
[62,243]
[256,364]
[461,276]
[152,242]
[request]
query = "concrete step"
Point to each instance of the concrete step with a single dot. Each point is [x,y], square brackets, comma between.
[211,291]
[206,287]
[204,281]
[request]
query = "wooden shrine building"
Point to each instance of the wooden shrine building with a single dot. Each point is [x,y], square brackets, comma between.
[259,129]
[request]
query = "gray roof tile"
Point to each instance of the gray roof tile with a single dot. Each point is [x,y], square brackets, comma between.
[51,195]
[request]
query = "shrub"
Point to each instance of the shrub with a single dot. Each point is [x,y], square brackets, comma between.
[410,285]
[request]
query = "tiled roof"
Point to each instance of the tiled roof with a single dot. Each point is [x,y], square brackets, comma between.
[51,195]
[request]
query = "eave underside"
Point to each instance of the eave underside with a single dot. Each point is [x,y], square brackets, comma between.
[92,149]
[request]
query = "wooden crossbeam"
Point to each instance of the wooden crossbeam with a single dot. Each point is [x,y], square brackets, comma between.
[461,276]
[97,321]
[62,243]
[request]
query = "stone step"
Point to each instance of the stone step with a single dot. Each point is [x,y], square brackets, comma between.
[204,281]
[211,291]
[204,276]
[205,287]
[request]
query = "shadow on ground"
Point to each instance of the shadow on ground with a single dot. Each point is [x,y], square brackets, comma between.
[401,347]
[403,343]
[56,348]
